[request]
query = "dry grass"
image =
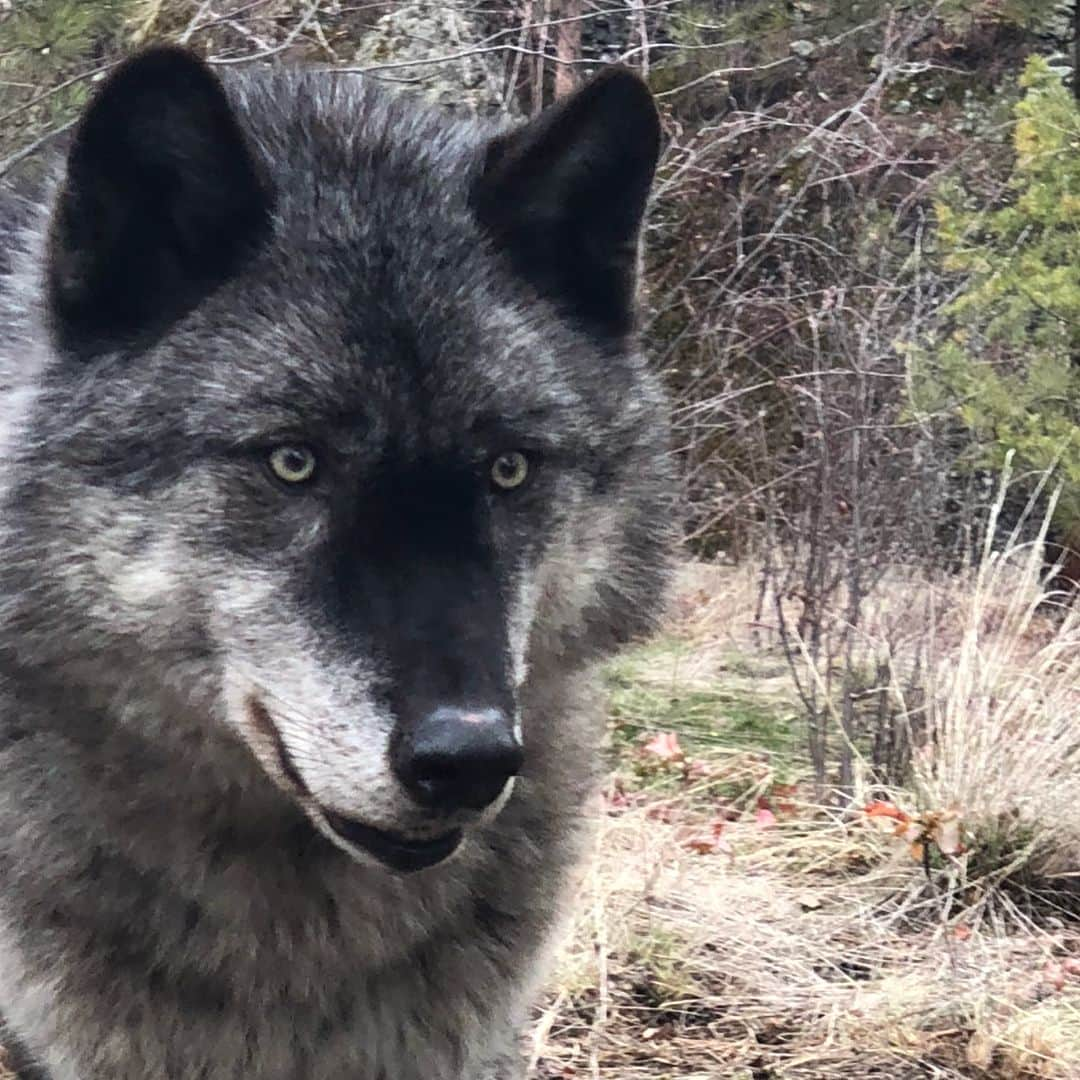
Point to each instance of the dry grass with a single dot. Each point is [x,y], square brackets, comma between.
[1002,740]
[790,958]
[817,947]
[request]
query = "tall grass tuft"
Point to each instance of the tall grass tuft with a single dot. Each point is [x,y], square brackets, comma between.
[1002,734]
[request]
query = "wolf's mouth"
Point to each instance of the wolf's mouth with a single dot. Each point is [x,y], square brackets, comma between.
[396,851]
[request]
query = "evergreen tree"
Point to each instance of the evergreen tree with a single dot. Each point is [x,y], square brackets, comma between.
[1010,362]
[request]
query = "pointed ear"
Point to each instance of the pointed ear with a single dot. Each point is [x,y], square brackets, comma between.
[163,197]
[565,195]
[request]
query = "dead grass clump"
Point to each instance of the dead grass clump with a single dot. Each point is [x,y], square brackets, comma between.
[1001,744]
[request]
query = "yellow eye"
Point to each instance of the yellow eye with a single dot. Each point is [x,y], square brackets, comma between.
[293,464]
[509,470]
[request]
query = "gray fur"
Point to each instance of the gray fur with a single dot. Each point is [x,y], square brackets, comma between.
[169,906]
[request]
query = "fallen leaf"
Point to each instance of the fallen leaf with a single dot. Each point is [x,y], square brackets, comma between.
[696,769]
[664,746]
[946,834]
[881,809]
[712,842]
[617,800]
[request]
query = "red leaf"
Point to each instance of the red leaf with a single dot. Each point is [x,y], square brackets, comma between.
[696,769]
[665,746]
[765,818]
[711,843]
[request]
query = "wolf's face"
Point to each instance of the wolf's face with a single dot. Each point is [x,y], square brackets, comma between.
[341,431]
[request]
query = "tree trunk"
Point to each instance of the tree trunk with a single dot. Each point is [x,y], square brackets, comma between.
[567,46]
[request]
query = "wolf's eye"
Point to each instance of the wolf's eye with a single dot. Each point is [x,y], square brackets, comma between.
[509,470]
[292,464]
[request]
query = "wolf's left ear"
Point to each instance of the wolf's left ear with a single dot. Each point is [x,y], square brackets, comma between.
[162,198]
[565,195]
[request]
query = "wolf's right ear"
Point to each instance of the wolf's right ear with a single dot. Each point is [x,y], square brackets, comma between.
[163,197]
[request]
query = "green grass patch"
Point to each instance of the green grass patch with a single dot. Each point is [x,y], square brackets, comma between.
[647,694]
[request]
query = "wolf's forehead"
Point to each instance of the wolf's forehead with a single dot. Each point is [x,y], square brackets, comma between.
[435,389]
[340,334]
[414,415]
[336,146]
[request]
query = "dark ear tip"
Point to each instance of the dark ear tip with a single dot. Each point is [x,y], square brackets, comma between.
[162,57]
[620,75]
[159,66]
[616,81]
[626,97]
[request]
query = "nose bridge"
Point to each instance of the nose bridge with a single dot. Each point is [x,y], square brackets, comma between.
[452,645]
[448,639]
[419,580]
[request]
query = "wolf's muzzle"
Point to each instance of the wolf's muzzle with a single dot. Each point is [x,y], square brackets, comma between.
[458,759]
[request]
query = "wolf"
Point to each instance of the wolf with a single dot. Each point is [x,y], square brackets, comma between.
[329,468]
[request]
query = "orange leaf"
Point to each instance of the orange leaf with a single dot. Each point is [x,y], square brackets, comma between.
[917,852]
[880,808]
[711,843]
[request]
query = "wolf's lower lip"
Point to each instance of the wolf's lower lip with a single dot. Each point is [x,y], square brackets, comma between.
[395,851]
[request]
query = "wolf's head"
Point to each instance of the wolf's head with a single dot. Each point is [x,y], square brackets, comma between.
[340,429]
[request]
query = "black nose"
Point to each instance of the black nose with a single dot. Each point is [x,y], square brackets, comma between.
[457,759]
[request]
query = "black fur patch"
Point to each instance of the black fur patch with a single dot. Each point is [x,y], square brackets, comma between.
[163,199]
[566,193]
